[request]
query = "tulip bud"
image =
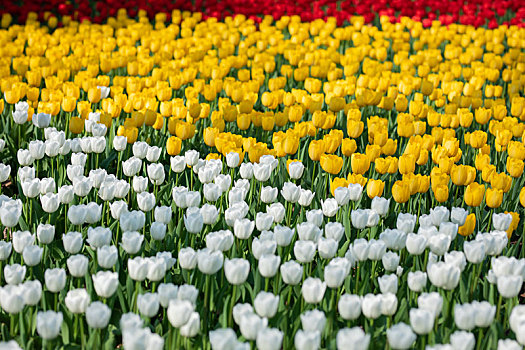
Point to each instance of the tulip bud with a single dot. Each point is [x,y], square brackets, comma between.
[48,324]
[98,315]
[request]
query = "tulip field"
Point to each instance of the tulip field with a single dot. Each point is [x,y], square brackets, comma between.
[204,175]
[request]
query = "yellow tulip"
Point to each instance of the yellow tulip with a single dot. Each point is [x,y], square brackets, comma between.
[401,191]
[494,197]
[360,163]
[474,194]
[374,188]
[173,145]
[316,149]
[331,163]
[209,136]
[514,167]
[76,125]
[441,193]
[406,164]
[468,227]
[348,147]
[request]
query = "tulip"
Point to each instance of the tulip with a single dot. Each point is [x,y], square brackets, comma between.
[119,143]
[400,336]
[107,256]
[313,290]
[105,283]
[167,292]
[32,292]
[417,281]
[334,230]
[474,251]
[191,328]
[266,304]
[48,324]
[401,191]
[5,250]
[331,163]
[371,306]
[132,242]
[494,197]
[307,231]
[77,300]
[316,149]
[464,316]
[32,255]
[31,188]
[146,201]
[474,194]
[269,339]
[291,272]
[334,275]
[156,269]
[422,321]
[99,236]
[49,202]
[138,268]
[463,340]
[354,338]
[98,315]
[246,170]
[388,284]
[223,339]
[327,248]
[313,320]
[390,261]
[131,166]
[359,218]
[509,286]
[444,275]
[375,188]
[81,186]
[250,326]
[501,221]
[306,197]
[277,211]
[209,214]
[388,304]
[268,265]
[47,185]
[14,274]
[193,220]
[148,304]
[12,299]
[55,279]
[263,221]
[439,243]
[330,207]
[236,270]
[342,195]
[21,239]
[291,192]
[315,217]
[45,233]
[158,231]
[458,216]
[307,340]
[349,306]
[485,313]
[304,251]
[209,262]
[77,265]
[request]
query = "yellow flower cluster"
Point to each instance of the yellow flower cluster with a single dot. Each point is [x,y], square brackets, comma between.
[440,108]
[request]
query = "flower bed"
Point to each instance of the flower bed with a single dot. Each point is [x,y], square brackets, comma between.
[195,183]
